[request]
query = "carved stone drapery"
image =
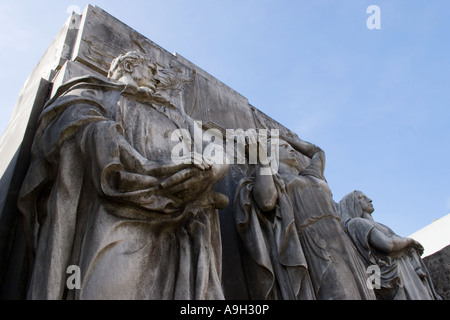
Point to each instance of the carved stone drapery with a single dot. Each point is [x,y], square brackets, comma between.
[403,274]
[93,195]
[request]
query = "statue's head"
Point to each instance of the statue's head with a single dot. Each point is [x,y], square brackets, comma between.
[365,202]
[355,205]
[286,153]
[134,68]
[289,156]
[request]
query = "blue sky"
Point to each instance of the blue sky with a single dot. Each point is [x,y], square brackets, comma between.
[377,101]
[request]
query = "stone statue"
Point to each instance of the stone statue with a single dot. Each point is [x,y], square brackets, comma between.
[297,244]
[103,194]
[403,275]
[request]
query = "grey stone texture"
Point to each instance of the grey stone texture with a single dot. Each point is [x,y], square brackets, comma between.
[403,274]
[104,193]
[438,265]
[88,179]
[15,144]
[86,46]
[293,233]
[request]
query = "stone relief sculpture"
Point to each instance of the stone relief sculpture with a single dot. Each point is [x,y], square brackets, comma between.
[403,275]
[296,243]
[102,193]
[107,212]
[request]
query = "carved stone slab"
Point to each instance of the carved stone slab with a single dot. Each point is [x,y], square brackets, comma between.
[438,265]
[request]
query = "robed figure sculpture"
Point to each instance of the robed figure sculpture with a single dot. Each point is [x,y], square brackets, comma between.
[402,274]
[104,194]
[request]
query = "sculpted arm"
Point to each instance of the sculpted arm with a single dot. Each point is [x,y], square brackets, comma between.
[310,150]
[304,147]
[264,191]
[390,244]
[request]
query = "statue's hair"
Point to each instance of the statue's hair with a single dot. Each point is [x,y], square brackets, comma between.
[117,68]
[349,207]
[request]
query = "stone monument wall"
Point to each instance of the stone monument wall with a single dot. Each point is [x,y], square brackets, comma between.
[94,164]
[86,45]
[438,265]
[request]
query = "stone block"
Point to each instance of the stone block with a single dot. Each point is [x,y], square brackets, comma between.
[438,265]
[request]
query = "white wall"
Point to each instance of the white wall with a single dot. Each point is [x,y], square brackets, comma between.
[435,236]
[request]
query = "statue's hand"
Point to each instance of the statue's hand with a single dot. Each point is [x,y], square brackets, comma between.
[416,245]
[175,179]
[189,183]
[196,160]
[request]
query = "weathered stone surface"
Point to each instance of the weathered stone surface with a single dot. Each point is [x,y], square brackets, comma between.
[438,265]
[56,55]
[12,246]
[16,141]
[104,194]
[98,187]
[403,274]
[86,45]
[68,71]
[290,228]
